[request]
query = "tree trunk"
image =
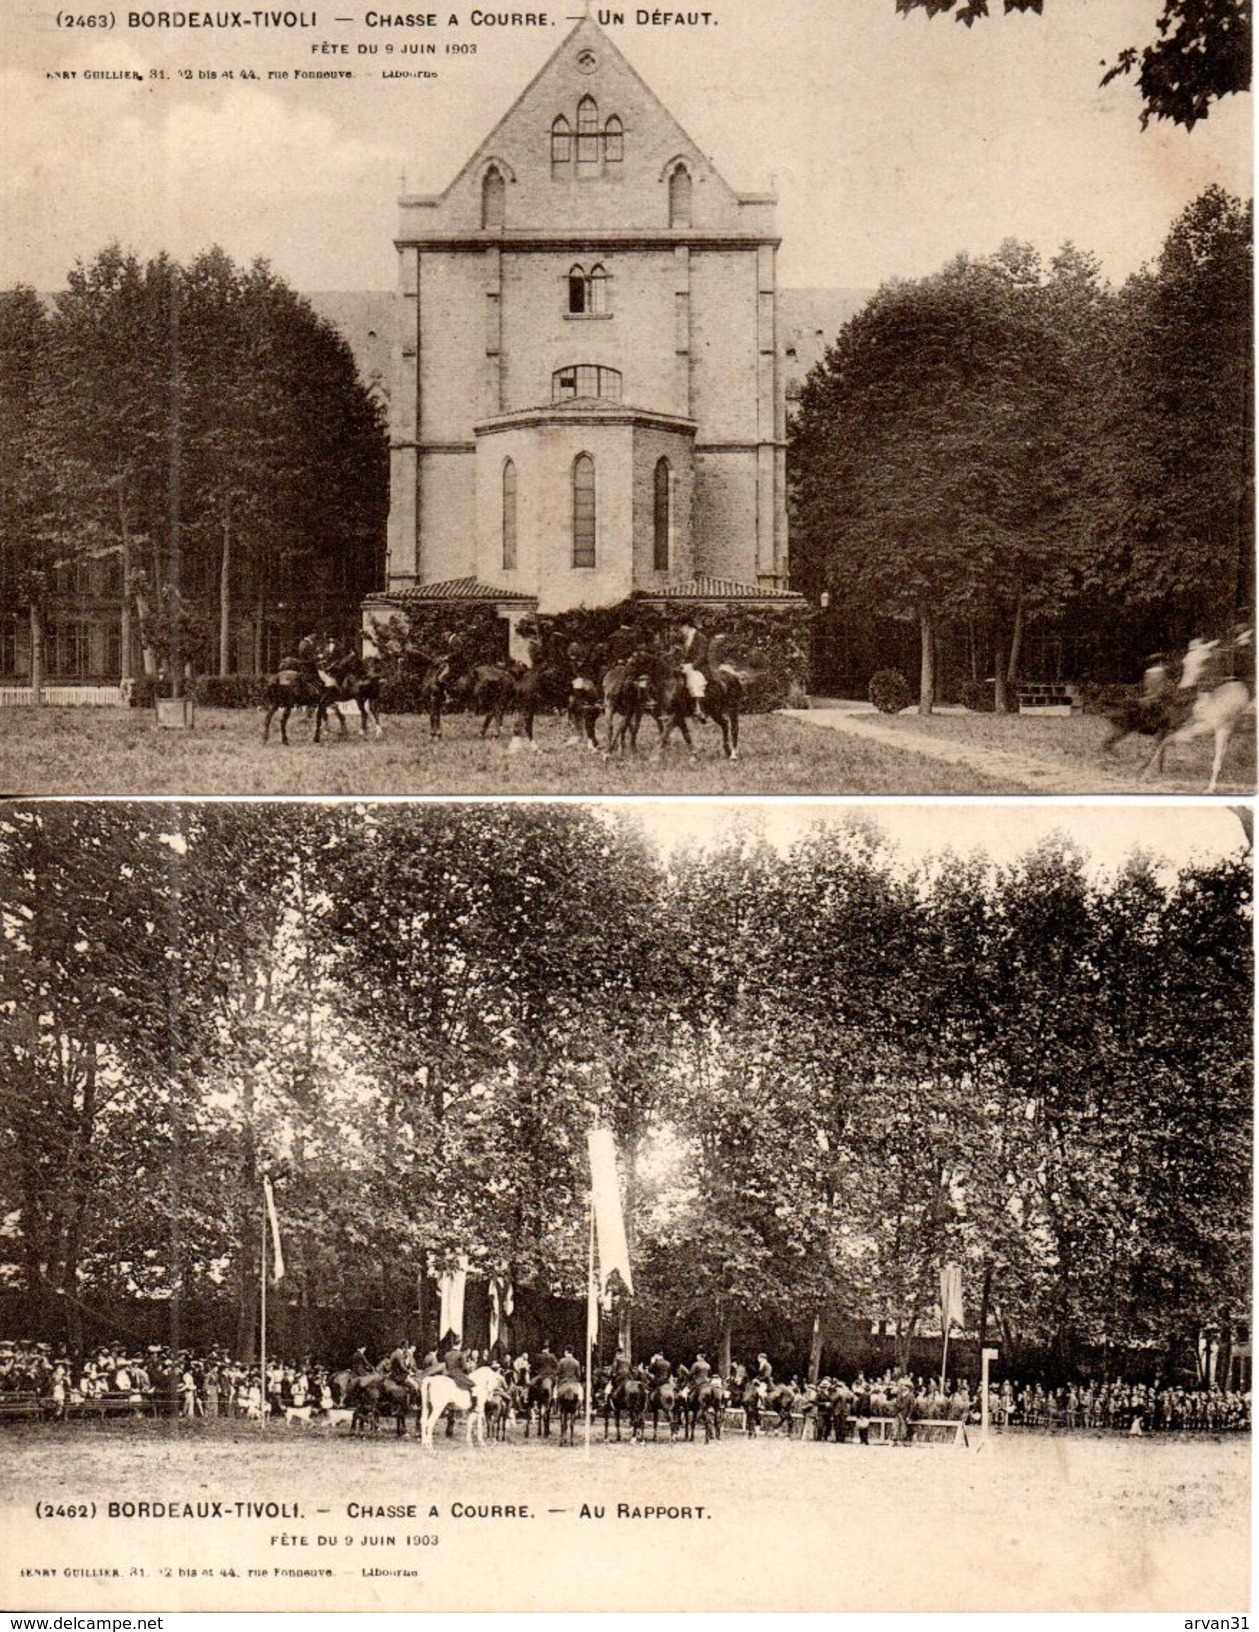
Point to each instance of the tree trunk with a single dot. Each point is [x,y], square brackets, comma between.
[225,593]
[927,674]
[1016,645]
[724,1355]
[985,1300]
[815,1349]
[260,628]
[148,651]
[124,614]
[1001,694]
[37,652]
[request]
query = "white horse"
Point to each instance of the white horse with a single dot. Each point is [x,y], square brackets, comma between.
[439,1393]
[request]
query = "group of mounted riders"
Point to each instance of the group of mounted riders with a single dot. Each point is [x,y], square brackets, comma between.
[685,1399]
[677,683]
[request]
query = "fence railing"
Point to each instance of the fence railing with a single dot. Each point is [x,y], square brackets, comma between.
[65,696]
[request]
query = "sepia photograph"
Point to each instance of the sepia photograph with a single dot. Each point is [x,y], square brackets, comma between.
[534,1205]
[837,400]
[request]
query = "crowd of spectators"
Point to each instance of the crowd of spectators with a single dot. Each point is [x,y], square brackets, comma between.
[214,1384]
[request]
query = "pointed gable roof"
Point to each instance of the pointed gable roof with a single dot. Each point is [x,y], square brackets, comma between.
[626,195]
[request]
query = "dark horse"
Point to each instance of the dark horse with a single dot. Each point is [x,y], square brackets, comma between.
[375,1395]
[664,1402]
[568,1404]
[357,683]
[541,1398]
[299,688]
[626,1398]
[630,689]
[722,703]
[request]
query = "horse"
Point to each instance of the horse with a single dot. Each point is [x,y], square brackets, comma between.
[440,1393]
[755,1393]
[568,1402]
[297,688]
[626,1397]
[722,703]
[357,683]
[709,1406]
[540,1398]
[629,691]
[373,1395]
[664,1398]
[1202,703]
[498,1411]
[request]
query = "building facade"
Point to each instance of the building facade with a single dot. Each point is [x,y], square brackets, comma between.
[588,399]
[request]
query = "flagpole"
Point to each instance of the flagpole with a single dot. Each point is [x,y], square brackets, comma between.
[592,1316]
[944,1356]
[262,1324]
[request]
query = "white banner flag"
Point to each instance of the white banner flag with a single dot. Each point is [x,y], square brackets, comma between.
[951,1296]
[452,1285]
[277,1267]
[609,1221]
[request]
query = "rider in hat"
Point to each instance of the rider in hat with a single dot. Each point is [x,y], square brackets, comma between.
[695,662]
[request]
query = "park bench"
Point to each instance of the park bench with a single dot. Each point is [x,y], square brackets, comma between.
[22,1407]
[928,1430]
[1049,697]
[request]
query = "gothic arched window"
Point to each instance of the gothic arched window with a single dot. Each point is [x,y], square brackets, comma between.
[583,511]
[493,198]
[509,517]
[660,516]
[680,197]
[561,141]
[613,141]
[587,131]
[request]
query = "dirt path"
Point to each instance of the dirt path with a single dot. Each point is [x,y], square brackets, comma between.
[1023,771]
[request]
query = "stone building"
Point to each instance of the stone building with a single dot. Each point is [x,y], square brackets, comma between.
[588,396]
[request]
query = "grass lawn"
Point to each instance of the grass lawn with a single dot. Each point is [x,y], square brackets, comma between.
[92,751]
[1032,1522]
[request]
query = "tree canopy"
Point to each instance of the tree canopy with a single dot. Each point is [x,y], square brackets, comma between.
[827,1072]
[201,433]
[1007,444]
[1202,52]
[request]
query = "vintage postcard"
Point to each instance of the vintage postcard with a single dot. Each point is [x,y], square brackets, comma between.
[826,401]
[787,1207]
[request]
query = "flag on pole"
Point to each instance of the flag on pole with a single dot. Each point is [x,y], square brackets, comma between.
[277,1266]
[609,1222]
[951,1296]
[452,1285]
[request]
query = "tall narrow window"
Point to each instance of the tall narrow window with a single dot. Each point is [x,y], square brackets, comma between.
[561,141]
[598,294]
[613,141]
[493,198]
[587,131]
[680,197]
[509,517]
[578,290]
[660,516]
[583,511]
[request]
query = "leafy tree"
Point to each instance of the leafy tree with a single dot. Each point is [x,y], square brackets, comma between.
[934,456]
[1173,517]
[1202,52]
[24,343]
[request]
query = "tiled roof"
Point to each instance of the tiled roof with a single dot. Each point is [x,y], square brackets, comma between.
[454,589]
[719,589]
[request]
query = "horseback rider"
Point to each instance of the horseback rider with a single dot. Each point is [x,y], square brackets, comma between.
[694,663]
[620,1369]
[361,1366]
[660,1370]
[455,1368]
[701,1371]
[400,1363]
[547,1365]
[568,1368]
